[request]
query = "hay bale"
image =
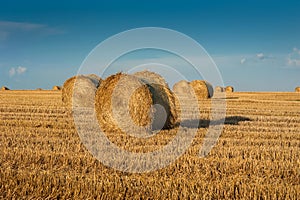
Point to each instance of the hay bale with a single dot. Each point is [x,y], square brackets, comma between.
[183,91]
[157,82]
[95,78]
[182,88]
[79,91]
[297,89]
[39,89]
[56,88]
[4,88]
[219,92]
[151,77]
[219,89]
[202,89]
[185,100]
[126,102]
[229,89]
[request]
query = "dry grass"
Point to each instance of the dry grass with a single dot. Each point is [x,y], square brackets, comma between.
[256,157]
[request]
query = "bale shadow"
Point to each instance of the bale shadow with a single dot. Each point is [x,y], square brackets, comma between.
[205,123]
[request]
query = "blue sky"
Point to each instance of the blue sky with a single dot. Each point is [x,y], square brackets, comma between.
[255,44]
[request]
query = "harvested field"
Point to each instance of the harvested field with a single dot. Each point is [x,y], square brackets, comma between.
[256,157]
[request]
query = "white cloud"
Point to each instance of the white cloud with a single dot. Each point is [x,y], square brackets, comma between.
[9,27]
[257,58]
[293,62]
[293,59]
[260,56]
[12,72]
[297,51]
[19,70]
[243,60]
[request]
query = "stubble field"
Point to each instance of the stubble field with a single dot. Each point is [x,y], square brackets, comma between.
[256,157]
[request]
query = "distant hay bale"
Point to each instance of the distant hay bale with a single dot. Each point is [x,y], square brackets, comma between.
[84,94]
[182,88]
[56,88]
[219,89]
[39,89]
[229,89]
[126,101]
[4,88]
[202,89]
[297,89]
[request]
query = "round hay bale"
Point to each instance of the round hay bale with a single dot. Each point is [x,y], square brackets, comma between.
[158,83]
[229,89]
[95,78]
[185,99]
[202,89]
[39,89]
[181,87]
[183,90]
[79,91]
[219,89]
[297,89]
[151,77]
[4,88]
[126,102]
[56,88]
